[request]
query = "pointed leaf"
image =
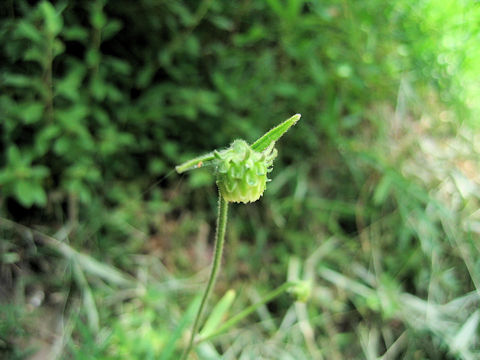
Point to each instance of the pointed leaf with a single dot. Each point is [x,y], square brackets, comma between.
[218,313]
[25,193]
[53,20]
[275,134]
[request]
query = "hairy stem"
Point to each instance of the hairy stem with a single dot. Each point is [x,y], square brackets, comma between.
[219,241]
[194,163]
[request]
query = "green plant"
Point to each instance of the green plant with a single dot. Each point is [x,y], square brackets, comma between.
[241,177]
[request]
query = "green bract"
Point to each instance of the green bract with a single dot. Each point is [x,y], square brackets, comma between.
[242,172]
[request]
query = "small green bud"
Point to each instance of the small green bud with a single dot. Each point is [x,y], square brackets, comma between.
[242,169]
[301,290]
[242,172]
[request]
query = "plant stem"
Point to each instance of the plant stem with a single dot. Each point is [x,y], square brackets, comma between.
[217,258]
[194,163]
[234,320]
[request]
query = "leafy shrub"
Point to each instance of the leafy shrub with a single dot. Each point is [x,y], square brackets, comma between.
[91,96]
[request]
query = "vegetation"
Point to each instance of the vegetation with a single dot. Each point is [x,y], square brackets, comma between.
[241,172]
[373,205]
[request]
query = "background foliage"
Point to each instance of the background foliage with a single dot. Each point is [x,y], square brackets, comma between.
[374,198]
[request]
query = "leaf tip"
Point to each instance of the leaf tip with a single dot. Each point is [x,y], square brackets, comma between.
[294,119]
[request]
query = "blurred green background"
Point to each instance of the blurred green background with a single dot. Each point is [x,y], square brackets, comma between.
[374,198]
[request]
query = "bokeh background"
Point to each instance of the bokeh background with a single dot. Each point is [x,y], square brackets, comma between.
[374,198]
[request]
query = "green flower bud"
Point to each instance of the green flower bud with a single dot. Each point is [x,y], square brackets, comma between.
[242,172]
[301,290]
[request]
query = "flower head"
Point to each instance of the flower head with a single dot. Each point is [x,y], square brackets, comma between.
[242,172]
[242,169]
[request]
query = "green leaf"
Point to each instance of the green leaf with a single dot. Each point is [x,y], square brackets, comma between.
[119,66]
[145,75]
[186,320]
[73,118]
[70,85]
[40,195]
[28,193]
[17,80]
[13,155]
[61,146]
[43,140]
[97,17]
[277,7]
[79,188]
[6,176]
[39,172]
[255,34]
[275,134]
[10,258]
[111,29]
[57,47]
[53,20]
[294,8]
[98,88]
[28,31]
[382,190]
[75,33]
[34,54]
[31,112]
[222,22]
[218,314]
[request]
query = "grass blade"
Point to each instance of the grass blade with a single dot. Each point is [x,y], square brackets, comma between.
[467,334]
[218,313]
[88,300]
[184,322]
